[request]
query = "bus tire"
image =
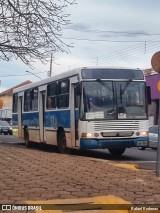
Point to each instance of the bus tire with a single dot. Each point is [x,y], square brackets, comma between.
[26,138]
[62,145]
[119,151]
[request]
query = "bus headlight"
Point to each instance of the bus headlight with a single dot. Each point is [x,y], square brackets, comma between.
[143,133]
[87,135]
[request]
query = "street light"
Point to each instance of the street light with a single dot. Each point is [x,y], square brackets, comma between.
[33,74]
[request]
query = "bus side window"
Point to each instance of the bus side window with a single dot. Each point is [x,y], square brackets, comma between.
[51,102]
[27,100]
[48,103]
[63,94]
[77,95]
[35,99]
[52,96]
[15,102]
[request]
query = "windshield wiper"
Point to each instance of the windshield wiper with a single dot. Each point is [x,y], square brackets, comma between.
[105,84]
[125,87]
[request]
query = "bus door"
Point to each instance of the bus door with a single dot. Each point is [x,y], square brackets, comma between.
[20,98]
[73,117]
[42,92]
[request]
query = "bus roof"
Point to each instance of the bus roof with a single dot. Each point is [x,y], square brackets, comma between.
[64,75]
[50,79]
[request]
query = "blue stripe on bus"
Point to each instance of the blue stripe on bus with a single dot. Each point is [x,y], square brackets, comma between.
[114,143]
[30,119]
[52,118]
[57,118]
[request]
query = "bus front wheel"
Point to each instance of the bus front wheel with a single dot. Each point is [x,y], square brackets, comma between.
[116,151]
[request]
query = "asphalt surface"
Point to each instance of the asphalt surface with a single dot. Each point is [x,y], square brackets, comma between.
[42,174]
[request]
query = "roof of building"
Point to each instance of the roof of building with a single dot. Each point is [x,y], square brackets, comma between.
[150,71]
[10,91]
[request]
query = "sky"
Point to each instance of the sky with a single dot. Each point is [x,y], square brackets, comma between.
[119,33]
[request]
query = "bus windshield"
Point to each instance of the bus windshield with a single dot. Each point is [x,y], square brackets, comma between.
[112,100]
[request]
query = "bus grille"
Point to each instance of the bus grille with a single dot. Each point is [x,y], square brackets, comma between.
[128,125]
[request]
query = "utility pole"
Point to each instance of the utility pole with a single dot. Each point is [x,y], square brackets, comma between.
[96,61]
[50,71]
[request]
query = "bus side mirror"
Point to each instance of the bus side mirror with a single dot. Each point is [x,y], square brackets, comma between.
[148,94]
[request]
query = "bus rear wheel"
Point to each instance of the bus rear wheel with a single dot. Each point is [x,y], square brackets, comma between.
[117,151]
[62,145]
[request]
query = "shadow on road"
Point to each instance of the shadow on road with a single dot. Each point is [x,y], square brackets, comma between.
[87,153]
[130,155]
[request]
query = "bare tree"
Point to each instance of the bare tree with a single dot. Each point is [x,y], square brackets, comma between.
[32,29]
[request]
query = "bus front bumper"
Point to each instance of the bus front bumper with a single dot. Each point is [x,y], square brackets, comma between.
[113,143]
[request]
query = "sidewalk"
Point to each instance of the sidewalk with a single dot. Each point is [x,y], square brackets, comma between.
[30,175]
[148,166]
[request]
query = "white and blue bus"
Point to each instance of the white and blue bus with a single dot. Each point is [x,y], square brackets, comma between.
[84,108]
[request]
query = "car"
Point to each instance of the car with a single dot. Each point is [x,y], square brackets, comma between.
[153,138]
[5,128]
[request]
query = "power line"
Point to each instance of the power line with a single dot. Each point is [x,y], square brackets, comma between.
[128,51]
[121,57]
[3,76]
[143,45]
[106,40]
[110,31]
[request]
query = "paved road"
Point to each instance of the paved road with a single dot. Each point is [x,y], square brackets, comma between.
[10,139]
[42,174]
[145,159]
[131,154]
[134,154]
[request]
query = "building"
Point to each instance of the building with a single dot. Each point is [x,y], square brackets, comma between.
[153,80]
[6,101]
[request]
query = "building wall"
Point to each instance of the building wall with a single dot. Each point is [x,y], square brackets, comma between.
[7,101]
[5,114]
[6,110]
[154,82]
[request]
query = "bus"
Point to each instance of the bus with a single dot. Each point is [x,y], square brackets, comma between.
[59,110]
